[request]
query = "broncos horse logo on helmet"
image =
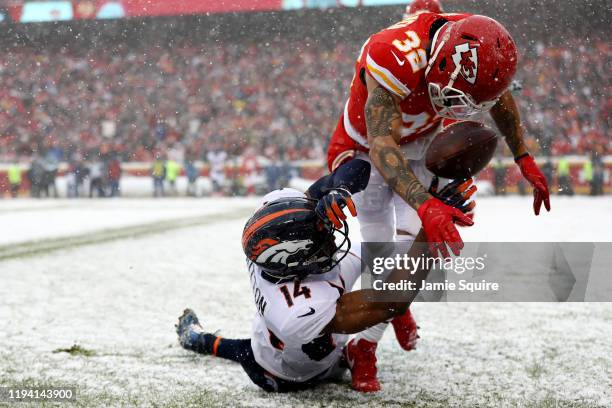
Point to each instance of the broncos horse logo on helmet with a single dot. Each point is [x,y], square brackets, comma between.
[288,240]
[281,251]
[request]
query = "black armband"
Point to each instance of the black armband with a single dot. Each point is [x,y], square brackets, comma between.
[352,175]
[519,157]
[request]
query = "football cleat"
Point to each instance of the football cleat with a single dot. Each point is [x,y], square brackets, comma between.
[405,328]
[361,358]
[189,330]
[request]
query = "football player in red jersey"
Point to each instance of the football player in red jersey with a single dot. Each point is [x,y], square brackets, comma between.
[410,80]
[422,6]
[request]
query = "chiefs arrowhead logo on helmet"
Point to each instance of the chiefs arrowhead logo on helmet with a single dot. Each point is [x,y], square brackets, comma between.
[466,57]
[472,65]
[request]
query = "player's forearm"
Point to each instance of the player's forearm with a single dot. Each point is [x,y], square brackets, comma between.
[356,311]
[382,116]
[352,176]
[508,120]
[419,249]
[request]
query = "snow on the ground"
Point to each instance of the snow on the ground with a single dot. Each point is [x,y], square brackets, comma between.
[27,220]
[571,219]
[120,300]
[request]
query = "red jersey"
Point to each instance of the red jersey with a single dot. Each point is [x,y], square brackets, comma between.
[396,58]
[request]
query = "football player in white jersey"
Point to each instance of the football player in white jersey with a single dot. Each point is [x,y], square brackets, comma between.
[301,282]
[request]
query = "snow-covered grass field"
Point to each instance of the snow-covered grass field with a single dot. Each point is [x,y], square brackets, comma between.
[113,275]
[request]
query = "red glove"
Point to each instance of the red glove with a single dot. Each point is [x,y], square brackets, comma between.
[438,223]
[532,173]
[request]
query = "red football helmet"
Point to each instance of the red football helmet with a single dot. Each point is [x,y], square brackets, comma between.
[472,63]
[422,6]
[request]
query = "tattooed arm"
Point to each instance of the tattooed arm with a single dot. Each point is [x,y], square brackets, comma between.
[384,121]
[508,120]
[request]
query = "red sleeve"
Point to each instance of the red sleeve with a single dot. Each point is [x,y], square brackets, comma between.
[391,69]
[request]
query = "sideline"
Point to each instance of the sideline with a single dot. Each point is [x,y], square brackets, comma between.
[35,247]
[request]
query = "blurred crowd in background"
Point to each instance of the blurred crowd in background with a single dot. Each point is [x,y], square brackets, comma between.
[284,96]
[186,98]
[566,99]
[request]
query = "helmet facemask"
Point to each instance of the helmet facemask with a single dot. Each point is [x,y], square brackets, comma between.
[328,255]
[337,252]
[453,103]
[321,260]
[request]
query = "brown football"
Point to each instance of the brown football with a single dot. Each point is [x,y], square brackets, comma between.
[461,150]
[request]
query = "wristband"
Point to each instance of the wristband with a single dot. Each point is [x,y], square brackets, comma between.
[518,158]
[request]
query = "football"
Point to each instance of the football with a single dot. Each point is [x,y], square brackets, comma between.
[461,150]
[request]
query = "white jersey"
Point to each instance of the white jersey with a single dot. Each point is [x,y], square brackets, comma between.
[290,317]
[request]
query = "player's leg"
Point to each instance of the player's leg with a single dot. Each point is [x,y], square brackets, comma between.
[375,208]
[408,225]
[377,224]
[193,337]
[360,352]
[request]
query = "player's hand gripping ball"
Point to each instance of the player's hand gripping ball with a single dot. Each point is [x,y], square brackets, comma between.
[330,207]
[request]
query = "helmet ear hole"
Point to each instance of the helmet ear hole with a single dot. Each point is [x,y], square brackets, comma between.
[469,37]
[442,65]
[495,74]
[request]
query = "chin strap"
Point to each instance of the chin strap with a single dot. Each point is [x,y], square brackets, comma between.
[270,277]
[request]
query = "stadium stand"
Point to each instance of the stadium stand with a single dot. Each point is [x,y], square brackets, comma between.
[139,88]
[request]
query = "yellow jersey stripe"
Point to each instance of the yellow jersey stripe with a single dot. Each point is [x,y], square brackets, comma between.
[381,76]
